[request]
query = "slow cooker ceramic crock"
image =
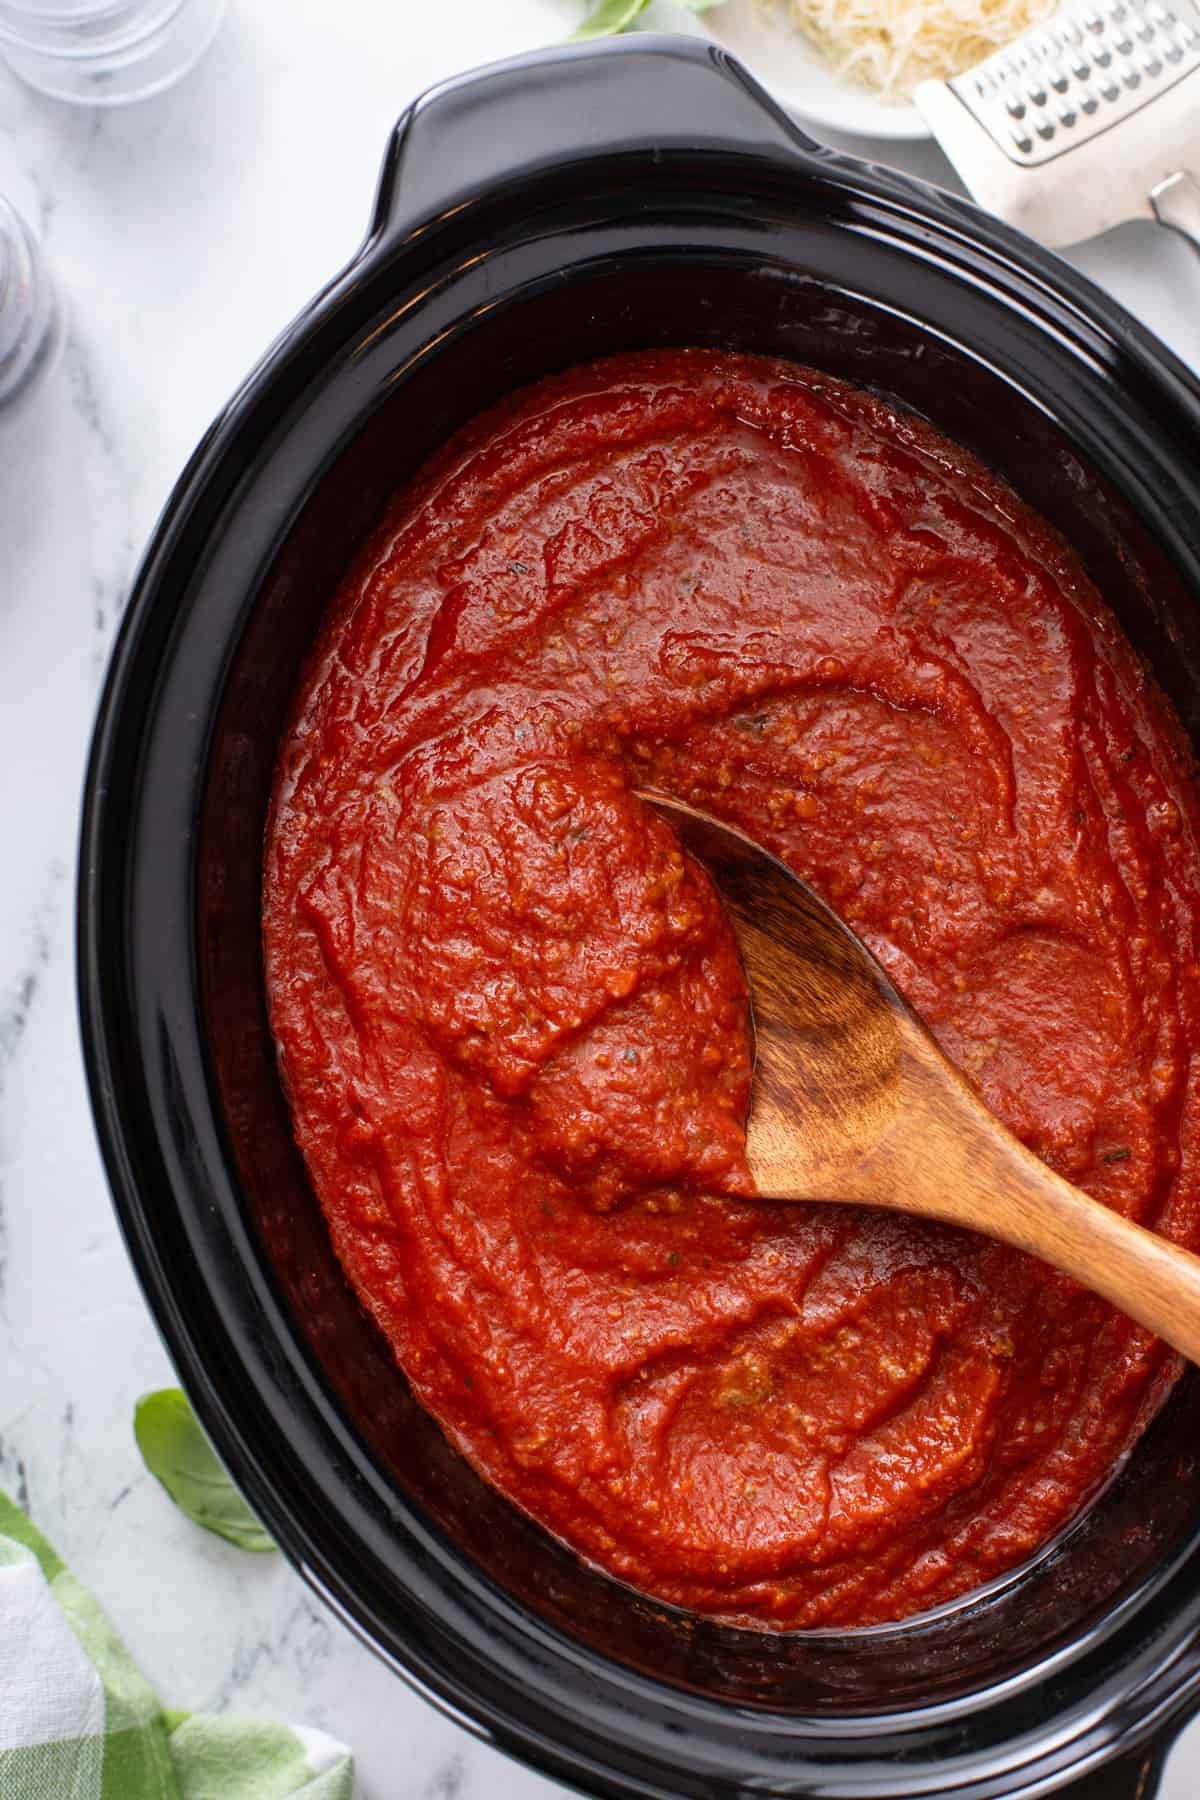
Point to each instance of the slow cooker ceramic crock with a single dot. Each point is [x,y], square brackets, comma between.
[530,216]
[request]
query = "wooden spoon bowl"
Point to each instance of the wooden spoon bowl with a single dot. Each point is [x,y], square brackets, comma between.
[853,1100]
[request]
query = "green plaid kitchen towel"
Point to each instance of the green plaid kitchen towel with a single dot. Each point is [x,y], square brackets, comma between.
[78,1721]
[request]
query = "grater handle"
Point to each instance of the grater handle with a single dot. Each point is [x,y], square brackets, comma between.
[1176,203]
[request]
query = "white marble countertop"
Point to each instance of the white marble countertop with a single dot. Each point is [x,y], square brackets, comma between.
[185,232]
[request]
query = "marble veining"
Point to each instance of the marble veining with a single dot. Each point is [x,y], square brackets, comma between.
[185,233]
[446,1783]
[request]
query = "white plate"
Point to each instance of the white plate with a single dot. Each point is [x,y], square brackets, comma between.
[801,80]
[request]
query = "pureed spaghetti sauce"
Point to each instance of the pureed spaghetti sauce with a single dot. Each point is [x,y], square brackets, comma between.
[512,1023]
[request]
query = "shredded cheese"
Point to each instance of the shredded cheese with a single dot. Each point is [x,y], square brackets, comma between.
[891,45]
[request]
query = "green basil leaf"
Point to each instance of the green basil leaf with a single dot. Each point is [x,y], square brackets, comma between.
[608,17]
[177,1453]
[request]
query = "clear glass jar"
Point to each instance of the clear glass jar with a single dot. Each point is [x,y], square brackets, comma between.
[30,316]
[105,52]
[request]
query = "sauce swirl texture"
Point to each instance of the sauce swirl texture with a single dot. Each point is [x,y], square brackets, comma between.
[512,1024]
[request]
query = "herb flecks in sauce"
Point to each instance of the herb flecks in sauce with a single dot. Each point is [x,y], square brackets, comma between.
[512,1028]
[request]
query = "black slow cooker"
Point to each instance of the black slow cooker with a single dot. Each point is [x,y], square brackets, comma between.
[530,216]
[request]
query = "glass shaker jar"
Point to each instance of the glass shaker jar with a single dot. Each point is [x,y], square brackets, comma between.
[30,318]
[105,52]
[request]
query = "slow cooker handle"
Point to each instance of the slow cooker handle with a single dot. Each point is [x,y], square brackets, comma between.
[495,128]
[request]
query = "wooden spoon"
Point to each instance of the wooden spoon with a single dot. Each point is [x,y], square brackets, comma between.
[853,1101]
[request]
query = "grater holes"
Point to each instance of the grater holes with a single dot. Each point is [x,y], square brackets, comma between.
[1092,66]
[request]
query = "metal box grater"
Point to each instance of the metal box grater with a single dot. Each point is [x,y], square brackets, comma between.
[1082,122]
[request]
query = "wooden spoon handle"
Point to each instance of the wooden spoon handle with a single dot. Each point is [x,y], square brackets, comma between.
[956,1162]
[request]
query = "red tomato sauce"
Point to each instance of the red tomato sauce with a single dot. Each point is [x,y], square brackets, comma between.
[512,1023]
